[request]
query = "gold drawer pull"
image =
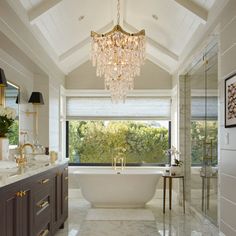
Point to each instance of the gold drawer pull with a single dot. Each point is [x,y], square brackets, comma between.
[44,181]
[66,168]
[19,194]
[66,178]
[44,233]
[43,204]
[66,198]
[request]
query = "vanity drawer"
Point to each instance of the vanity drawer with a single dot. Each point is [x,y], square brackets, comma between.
[43,182]
[45,231]
[42,203]
[42,208]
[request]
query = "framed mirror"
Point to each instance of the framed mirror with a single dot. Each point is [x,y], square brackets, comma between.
[11,99]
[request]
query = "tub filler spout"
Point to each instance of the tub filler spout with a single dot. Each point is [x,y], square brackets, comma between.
[118,162]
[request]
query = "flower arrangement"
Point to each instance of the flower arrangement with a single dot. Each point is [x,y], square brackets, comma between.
[176,167]
[7,116]
[174,152]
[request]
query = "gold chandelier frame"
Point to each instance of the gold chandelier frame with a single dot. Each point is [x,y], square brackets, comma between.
[119,29]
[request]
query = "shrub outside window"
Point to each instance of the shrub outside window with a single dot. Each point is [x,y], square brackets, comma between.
[98,141]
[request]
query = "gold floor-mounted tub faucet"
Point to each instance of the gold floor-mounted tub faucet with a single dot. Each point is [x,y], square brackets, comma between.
[121,161]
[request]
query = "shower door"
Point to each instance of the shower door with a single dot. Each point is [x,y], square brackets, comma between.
[204,130]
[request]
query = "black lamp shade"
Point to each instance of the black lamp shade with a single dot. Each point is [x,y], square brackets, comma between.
[3,81]
[36,98]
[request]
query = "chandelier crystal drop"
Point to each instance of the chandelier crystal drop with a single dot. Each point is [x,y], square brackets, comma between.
[118,56]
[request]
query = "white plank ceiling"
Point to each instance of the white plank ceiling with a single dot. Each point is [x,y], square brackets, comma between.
[65,26]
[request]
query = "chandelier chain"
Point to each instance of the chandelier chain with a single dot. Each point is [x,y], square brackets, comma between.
[118,12]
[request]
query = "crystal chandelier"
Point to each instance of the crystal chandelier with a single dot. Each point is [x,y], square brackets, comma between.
[118,56]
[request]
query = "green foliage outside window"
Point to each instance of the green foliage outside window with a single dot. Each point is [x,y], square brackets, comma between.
[99,141]
[14,133]
[203,132]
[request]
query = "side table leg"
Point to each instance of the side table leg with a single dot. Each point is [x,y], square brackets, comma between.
[164,195]
[208,193]
[170,192]
[203,195]
[183,195]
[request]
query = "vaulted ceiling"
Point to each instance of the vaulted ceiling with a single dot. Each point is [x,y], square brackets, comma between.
[63,26]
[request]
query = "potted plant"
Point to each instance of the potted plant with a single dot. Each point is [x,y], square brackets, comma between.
[7,116]
[176,168]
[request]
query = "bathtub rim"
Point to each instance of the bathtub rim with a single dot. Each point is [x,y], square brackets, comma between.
[75,169]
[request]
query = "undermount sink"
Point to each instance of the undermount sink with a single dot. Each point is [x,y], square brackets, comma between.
[7,166]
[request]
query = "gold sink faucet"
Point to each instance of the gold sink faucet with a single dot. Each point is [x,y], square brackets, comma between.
[21,161]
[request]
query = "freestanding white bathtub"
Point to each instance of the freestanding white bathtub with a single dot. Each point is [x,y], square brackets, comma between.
[128,188]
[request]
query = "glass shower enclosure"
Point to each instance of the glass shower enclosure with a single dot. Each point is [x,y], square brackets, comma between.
[203,77]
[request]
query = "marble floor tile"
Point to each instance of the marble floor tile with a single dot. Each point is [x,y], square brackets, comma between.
[173,223]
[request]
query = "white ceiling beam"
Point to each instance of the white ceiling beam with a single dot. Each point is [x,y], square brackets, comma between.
[114,10]
[162,48]
[42,8]
[22,37]
[83,43]
[193,7]
[158,63]
[154,43]
[69,67]
[74,49]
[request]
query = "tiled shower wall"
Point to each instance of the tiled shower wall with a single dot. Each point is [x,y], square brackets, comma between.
[184,104]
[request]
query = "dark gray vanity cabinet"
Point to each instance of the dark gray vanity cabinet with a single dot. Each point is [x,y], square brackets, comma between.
[16,209]
[10,202]
[60,197]
[28,207]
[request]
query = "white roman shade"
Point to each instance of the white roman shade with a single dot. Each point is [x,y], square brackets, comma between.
[204,108]
[102,107]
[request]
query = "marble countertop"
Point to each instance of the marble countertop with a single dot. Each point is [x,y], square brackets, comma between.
[33,169]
